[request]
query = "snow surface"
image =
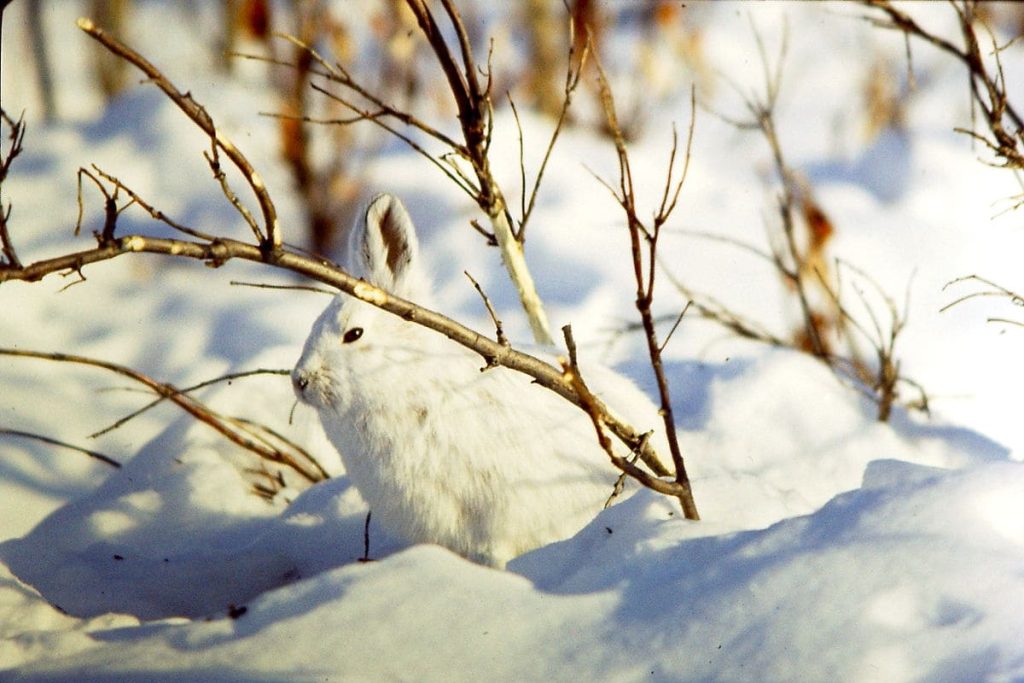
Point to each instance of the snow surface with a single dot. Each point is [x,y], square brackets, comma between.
[833,547]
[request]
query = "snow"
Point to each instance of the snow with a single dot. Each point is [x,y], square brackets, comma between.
[832,546]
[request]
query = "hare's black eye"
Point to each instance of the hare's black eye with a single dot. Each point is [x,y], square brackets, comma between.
[352,335]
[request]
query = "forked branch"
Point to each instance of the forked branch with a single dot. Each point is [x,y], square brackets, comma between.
[16,137]
[988,83]
[994,290]
[257,439]
[643,240]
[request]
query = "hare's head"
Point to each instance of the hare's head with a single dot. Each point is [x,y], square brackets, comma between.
[353,342]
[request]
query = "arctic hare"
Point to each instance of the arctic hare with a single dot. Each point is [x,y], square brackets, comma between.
[487,464]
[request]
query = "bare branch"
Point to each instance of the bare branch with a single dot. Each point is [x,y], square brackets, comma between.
[668,204]
[17,137]
[645,283]
[522,163]
[802,268]
[248,438]
[462,82]
[498,329]
[222,250]
[378,119]
[762,118]
[620,482]
[1018,323]
[886,376]
[155,213]
[592,405]
[997,290]
[988,89]
[573,76]
[366,538]
[213,159]
[195,387]
[337,74]
[675,325]
[107,199]
[492,241]
[264,285]
[731,241]
[710,308]
[10,256]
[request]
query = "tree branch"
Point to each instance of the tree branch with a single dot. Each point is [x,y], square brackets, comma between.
[237,431]
[988,90]
[17,137]
[641,236]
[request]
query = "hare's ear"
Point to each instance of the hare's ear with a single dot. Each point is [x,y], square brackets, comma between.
[384,249]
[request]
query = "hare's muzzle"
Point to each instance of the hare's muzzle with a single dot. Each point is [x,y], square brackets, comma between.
[300,382]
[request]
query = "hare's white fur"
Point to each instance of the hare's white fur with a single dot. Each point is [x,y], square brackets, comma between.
[487,464]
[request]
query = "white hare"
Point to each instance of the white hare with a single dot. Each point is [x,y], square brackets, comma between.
[487,464]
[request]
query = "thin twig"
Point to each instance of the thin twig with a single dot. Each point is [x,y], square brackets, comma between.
[336,74]
[761,109]
[155,213]
[887,377]
[498,329]
[264,285]
[573,76]
[366,538]
[107,199]
[17,138]
[592,406]
[639,234]
[620,482]
[305,118]
[710,308]
[195,387]
[1018,323]
[467,188]
[213,159]
[725,239]
[522,162]
[462,82]
[492,241]
[997,290]
[675,325]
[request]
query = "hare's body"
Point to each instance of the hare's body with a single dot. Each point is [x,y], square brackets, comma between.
[487,464]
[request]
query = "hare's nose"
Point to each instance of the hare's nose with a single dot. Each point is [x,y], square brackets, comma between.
[300,380]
